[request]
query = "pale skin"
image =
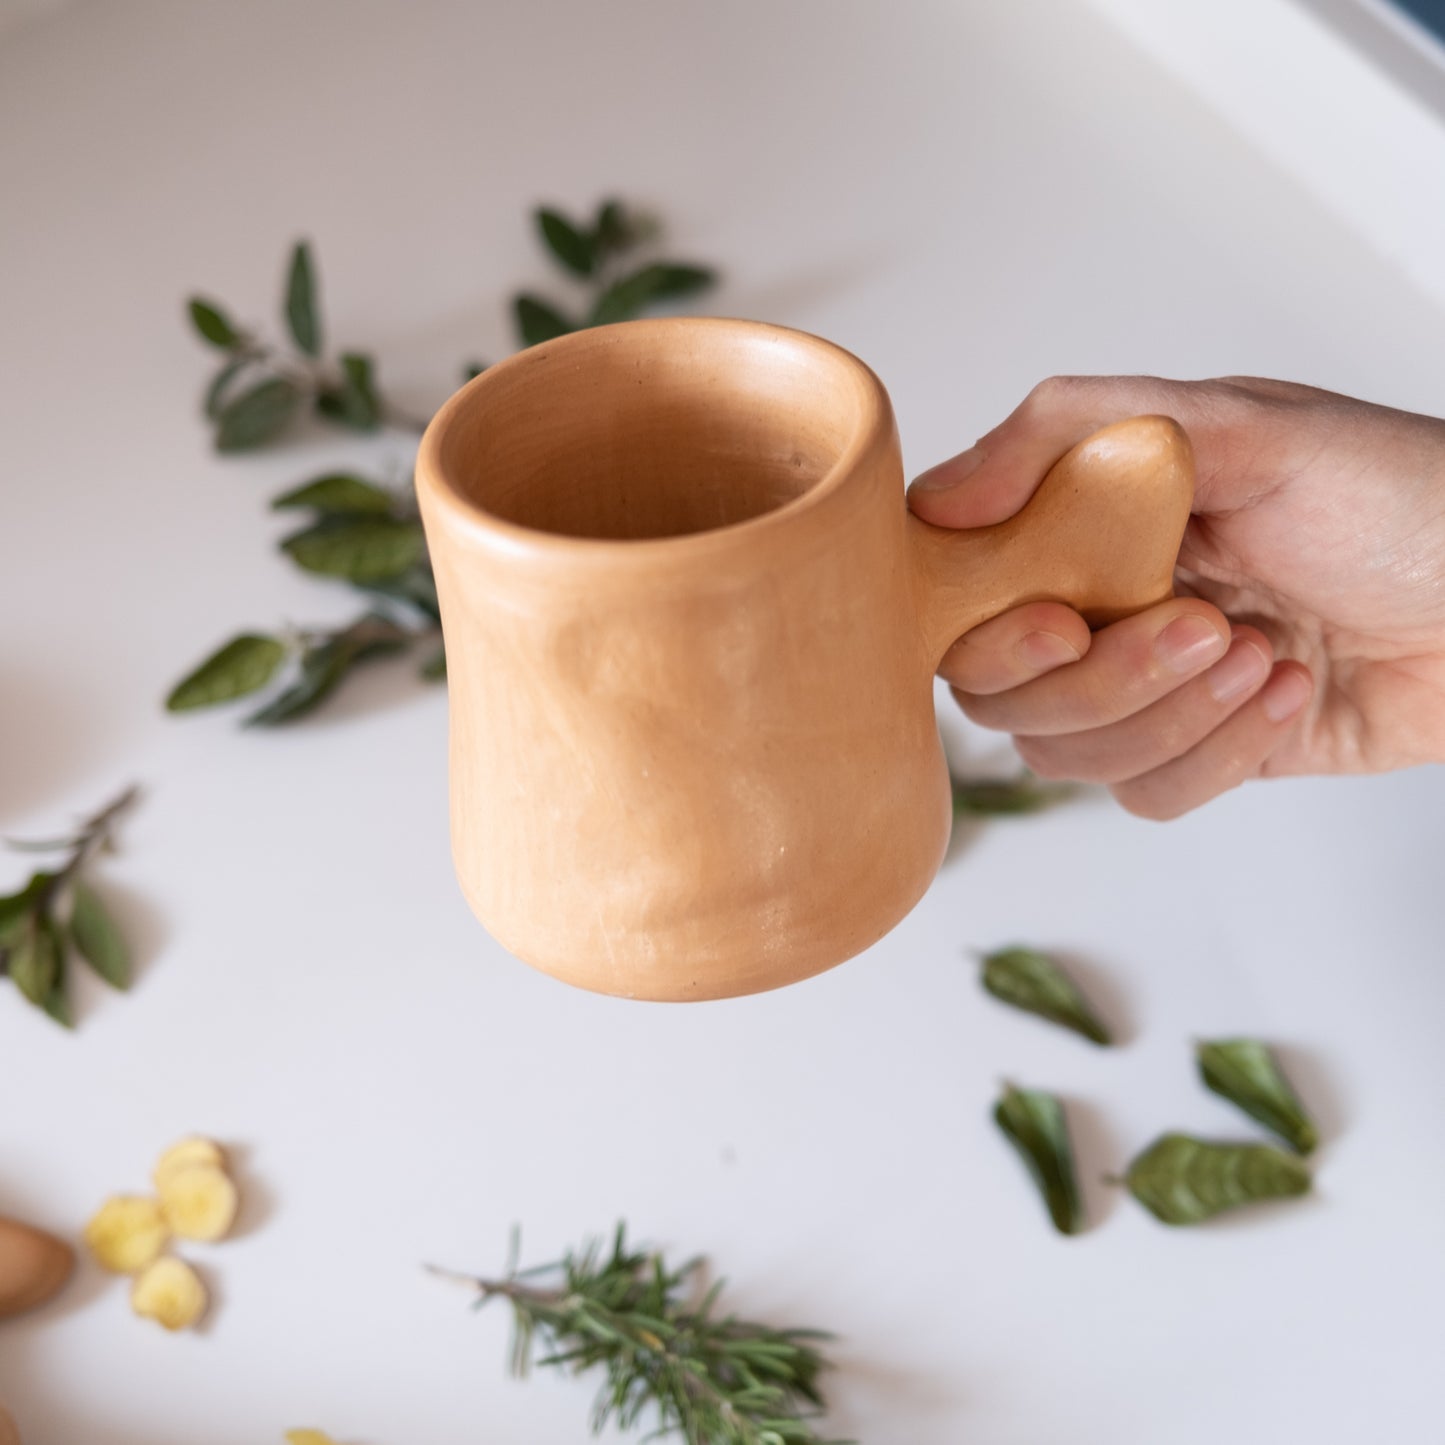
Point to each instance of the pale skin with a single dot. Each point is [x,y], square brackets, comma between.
[1308,633]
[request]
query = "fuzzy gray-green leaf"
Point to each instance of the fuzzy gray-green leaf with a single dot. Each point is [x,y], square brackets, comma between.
[337,494]
[213,325]
[245,664]
[98,939]
[360,549]
[303,317]
[257,415]
[33,961]
[661,281]
[574,250]
[1032,981]
[1035,1124]
[1245,1072]
[537,321]
[1183,1180]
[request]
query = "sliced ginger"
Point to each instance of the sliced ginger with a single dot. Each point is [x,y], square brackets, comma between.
[127,1233]
[192,1150]
[308,1437]
[169,1292]
[199,1201]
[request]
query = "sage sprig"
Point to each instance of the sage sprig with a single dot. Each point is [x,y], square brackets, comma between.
[1182,1180]
[361,533]
[1035,1124]
[1032,981]
[1245,1072]
[1006,797]
[59,910]
[686,1370]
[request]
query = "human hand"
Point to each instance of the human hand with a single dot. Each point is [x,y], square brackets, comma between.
[1309,633]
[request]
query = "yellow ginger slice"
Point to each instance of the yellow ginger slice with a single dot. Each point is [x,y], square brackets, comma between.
[126,1233]
[199,1201]
[169,1292]
[192,1150]
[308,1437]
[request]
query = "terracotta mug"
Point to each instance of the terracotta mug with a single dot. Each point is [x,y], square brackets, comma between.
[691,631]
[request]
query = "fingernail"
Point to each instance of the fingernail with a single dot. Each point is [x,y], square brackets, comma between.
[1044,651]
[1188,643]
[950,473]
[1239,671]
[1285,694]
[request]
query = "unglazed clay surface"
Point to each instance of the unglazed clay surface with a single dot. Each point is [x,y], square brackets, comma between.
[691,628]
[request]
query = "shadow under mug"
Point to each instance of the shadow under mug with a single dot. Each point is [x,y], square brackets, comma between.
[691,631]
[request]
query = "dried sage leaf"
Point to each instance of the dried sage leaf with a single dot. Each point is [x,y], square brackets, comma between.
[360,549]
[16,908]
[1183,1180]
[257,415]
[302,316]
[1032,981]
[1035,1124]
[356,403]
[97,938]
[661,281]
[244,665]
[33,961]
[215,400]
[337,494]
[1006,797]
[324,666]
[1245,1072]
[537,321]
[213,324]
[574,250]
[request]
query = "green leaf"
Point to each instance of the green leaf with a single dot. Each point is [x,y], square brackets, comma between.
[1034,1123]
[1182,1180]
[1032,981]
[537,321]
[661,281]
[1244,1072]
[98,939]
[302,316]
[360,549]
[215,399]
[337,494]
[33,961]
[243,665]
[612,230]
[574,250]
[16,908]
[323,667]
[434,669]
[257,415]
[1003,797]
[472,370]
[355,403]
[213,324]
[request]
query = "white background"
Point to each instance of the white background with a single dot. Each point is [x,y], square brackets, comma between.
[970,196]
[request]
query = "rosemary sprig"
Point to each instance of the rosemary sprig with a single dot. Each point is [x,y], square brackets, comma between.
[34,943]
[706,1378]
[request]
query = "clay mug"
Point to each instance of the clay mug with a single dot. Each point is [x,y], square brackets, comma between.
[691,631]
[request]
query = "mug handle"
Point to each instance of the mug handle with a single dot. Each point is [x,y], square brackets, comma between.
[1101,533]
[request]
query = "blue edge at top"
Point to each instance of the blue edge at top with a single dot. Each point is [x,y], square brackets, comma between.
[1429,13]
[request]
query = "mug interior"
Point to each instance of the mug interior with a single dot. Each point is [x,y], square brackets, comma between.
[654,429]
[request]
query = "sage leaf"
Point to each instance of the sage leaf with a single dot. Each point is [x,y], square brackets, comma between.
[213,324]
[356,403]
[257,415]
[472,370]
[1182,1180]
[16,908]
[302,316]
[416,586]
[245,664]
[337,494]
[1245,1072]
[1032,981]
[537,321]
[1035,1124]
[360,549]
[612,231]
[661,281]
[323,667]
[574,250]
[434,669]
[97,938]
[1004,797]
[33,961]
[215,400]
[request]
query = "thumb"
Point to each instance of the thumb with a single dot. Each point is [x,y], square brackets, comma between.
[995,477]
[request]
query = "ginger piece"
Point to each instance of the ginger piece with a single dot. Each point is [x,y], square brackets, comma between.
[126,1233]
[194,1149]
[308,1437]
[169,1292]
[199,1201]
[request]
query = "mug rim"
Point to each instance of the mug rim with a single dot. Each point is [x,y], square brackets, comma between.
[874,424]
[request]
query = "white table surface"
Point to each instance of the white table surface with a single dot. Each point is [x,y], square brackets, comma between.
[970,196]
